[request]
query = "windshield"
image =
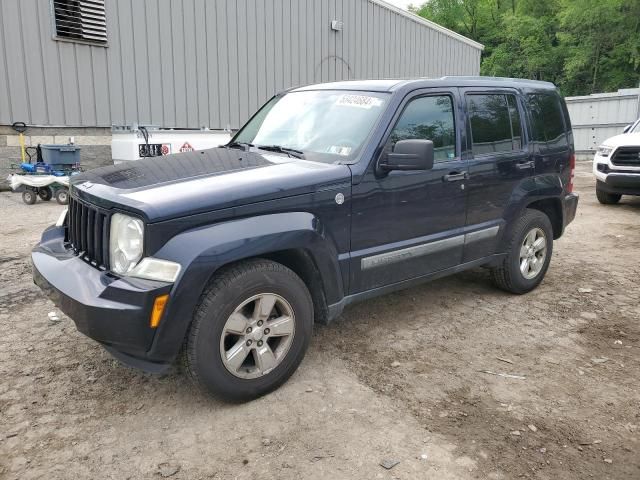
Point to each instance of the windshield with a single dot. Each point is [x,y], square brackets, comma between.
[325,125]
[635,128]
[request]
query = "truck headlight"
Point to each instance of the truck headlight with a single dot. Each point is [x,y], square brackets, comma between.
[125,243]
[604,151]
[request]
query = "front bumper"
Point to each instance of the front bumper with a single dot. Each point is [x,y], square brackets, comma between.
[620,183]
[113,311]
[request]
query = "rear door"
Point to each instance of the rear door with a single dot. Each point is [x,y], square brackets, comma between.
[499,161]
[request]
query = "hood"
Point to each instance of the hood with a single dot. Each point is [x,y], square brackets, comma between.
[623,140]
[161,188]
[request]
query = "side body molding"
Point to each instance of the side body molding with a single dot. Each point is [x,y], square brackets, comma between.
[202,251]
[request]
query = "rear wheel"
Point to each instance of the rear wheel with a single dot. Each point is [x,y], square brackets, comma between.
[530,245]
[62,196]
[607,198]
[250,331]
[29,197]
[45,194]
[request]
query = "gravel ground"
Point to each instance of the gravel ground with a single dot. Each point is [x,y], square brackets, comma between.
[396,378]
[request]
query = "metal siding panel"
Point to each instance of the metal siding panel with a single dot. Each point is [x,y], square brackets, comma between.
[179,64]
[213,80]
[16,76]
[165,43]
[86,82]
[67,59]
[114,65]
[54,102]
[190,64]
[243,73]
[5,104]
[261,51]
[141,62]
[295,38]
[35,76]
[233,32]
[285,33]
[202,67]
[223,61]
[100,86]
[154,63]
[331,41]
[127,54]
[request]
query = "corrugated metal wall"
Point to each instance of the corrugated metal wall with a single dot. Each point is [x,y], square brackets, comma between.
[596,117]
[193,63]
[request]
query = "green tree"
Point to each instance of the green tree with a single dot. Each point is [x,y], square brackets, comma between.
[583,46]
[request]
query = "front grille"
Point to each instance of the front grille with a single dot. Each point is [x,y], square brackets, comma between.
[88,232]
[627,156]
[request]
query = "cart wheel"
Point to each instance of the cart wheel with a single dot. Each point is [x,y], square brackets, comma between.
[45,194]
[29,197]
[62,196]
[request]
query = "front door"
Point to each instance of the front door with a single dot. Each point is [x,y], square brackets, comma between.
[407,224]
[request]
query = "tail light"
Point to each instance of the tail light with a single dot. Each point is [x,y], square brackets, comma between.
[572,172]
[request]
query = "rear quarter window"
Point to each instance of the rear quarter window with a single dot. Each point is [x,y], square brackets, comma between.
[547,120]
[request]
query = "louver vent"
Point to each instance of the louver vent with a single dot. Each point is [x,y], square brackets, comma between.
[81,20]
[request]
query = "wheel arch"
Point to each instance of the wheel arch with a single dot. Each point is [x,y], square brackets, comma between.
[297,240]
[552,208]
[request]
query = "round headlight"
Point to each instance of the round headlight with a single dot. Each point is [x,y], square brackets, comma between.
[125,243]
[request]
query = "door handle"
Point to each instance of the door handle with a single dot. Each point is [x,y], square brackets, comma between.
[525,165]
[455,176]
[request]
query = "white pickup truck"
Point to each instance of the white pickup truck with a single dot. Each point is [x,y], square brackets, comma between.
[616,166]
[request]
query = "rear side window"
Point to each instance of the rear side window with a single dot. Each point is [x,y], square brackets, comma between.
[547,120]
[495,123]
[429,118]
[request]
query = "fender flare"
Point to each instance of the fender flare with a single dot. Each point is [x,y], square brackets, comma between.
[530,190]
[203,251]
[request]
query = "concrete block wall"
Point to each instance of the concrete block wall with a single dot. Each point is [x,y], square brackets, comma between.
[94,143]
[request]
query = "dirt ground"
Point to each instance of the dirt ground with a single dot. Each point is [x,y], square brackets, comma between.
[397,378]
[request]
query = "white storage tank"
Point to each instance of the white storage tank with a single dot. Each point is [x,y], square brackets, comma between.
[136,142]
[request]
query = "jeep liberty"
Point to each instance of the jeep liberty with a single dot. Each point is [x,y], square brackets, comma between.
[330,194]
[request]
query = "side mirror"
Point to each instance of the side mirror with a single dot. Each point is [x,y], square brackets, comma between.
[627,128]
[409,155]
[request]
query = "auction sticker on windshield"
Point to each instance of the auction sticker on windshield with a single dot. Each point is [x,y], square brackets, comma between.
[360,101]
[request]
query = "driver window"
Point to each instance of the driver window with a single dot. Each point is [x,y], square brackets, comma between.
[429,118]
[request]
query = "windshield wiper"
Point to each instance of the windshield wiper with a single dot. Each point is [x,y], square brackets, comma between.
[292,152]
[243,145]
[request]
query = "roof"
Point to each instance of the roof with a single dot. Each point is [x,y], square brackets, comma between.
[391,85]
[428,23]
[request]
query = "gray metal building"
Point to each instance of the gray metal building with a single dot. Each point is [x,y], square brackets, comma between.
[68,65]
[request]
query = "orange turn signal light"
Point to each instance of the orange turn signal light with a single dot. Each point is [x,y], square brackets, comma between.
[158,308]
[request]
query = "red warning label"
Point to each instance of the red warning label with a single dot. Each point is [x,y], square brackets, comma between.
[186,147]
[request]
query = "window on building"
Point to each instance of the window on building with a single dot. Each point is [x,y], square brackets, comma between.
[548,125]
[495,123]
[429,118]
[81,20]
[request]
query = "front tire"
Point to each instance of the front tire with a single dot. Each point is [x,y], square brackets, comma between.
[29,197]
[529,249]
[250,331]
[607,198]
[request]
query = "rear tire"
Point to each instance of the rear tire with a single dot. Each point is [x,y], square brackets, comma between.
[29,197]
[529,249]
[45,194]
[230,351]
[607,198]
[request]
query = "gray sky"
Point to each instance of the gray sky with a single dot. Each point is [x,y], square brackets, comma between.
[403,3]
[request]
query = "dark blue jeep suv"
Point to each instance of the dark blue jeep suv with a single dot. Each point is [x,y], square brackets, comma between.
[330,194]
